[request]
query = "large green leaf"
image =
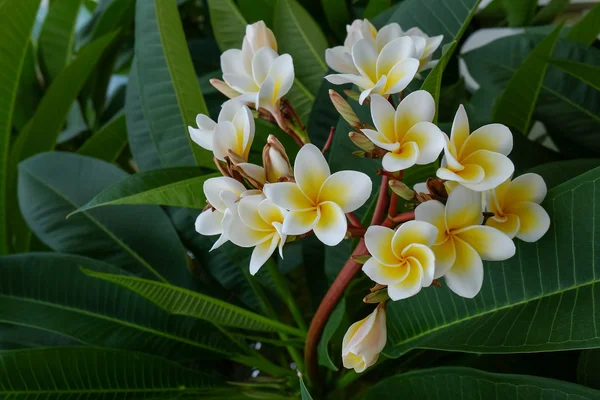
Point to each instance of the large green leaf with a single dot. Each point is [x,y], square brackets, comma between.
[542,299]
[333,324]
[454,383]
[229,25]
[14,337]
[519,12]
[556,173]
[180,187]
[58,36]
[91,373]
[338,15]
[551,10]
[304,393]
[588,28]
[376,7]
[16,23]
[108,142]
[49,292]
[433,82]
[257,10]
[185,302]
[299,35]
[588,369]
[136,238]
[166,88]
[569,108]
[589,74]
[517,102]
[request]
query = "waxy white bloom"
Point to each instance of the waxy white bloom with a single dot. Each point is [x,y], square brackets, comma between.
[517,210]
[234,130]
[339,58]
[364,340]
[256,72]
[319,200]
[425,47]
[477,161]
[259,224]
[386,71]
[402,260]
[407,132]
[462,242]
[222,194]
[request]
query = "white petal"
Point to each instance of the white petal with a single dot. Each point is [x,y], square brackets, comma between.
[332,226]
[232,62]
[244,236]
[270,212]
[265,97]
[348,189]
[340,60]
[342,79]
[509,224]
[382,113]
[421,187]
[394,52]
[262,252]
[229,109]
[470,174]
[410,232]
[288,195]
[488,242]
[282,237]
[404,158]
[401,75]
[202,136]
[380,140]
[254,171]
[226,138]
[527,187]
[385,274]
[420,44]
[463,208]
[460,128]
[492,137]
[434,212]
[282,72]
[432,45]
[429,139]
[300,222]
[241,83]
[248,211]
[411,285]
[388,33]
[426,258]
[310,170]
[208,222]
[445,256]
[534,220]
[497,169]
[261,62]
[378,240]
[228,218]
[450,156]
[214,186]
[416,107]
[376,89]
[365,59]
[258,36]
[243,121]
[465,278]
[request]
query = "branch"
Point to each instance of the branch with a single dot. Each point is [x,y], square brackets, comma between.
[381,201]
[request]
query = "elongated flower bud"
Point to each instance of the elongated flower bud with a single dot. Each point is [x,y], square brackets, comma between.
[224,88]
[364,340]
[402,190]
[344,109]
[276,160]
[361,141]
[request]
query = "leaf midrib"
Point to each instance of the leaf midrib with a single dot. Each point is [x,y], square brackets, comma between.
[301,31]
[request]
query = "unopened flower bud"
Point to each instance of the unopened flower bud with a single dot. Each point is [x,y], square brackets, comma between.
[401,189]
[364,340]
[224,88]
[377,296]
[359,153]
[361,141]
[254,174]
[275,160]
[344,109]
[352,94]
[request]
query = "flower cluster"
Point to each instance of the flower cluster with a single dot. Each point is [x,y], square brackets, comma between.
[469,213]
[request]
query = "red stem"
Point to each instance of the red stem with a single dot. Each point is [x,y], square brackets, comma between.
[329,140]
[393,209]
[381,201]
[406,216]
[356,232]
[354,221]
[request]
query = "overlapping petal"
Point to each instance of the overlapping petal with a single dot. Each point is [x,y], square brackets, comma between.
[311,170]
[331,226]
[288,195]
[463,209]
[465,278]
[378,240]
[300,222]
[534,220]
[214,186]
[347,189]
[490,243]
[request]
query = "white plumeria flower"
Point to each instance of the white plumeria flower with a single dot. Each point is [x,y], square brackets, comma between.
[462,242]
[364,340]
[425,47]
[319,200]
[256,72]
[259,224]
[407,132]
[222,194]
[477,161]
[517,210]
[234,130]
[383,72]
[402,260]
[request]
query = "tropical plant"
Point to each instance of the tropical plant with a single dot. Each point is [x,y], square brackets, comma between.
[299,199]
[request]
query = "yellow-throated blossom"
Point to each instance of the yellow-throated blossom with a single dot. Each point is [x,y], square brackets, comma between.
[364,340]
[222,194]
[258,224]
[318,200]
[462,242]
[478,160]
[402,260]
[407,132]
[425,47]
[234,130]
[257,73]
[517,210]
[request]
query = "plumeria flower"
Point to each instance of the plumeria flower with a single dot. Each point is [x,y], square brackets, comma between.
[256,73]
[462,242]
[402,260]
[517,210]
[319,200]
[234,130]
[425,47]
[364,340]
[259,224]
[477,161]
[222,194]
[407,132]
[383,72]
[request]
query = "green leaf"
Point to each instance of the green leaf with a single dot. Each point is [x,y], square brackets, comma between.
[304,393]
[229,25]
[338,15]
[108,142]
[559,172]
[376,7]
[588,368]
[180,186]
[16,23]
[548,12]
[588,28]
[58,36]
[257,10]
[140,239]
[299,35]
[589,74]
[519,12]
[91,373]
[542,299]
[457,383]
[515,106]
[433,82]
[185,302]
[333,324]
[43,290]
